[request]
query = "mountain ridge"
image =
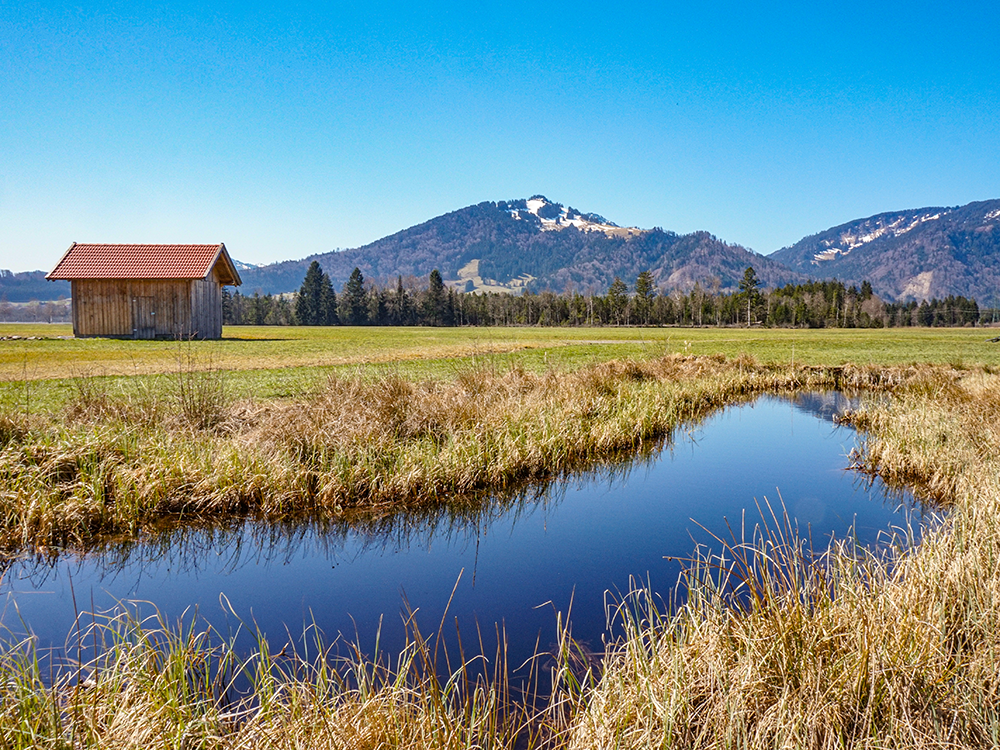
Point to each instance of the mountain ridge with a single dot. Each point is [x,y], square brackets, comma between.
[554,246]
[534,243]
[911,254]
[28,286]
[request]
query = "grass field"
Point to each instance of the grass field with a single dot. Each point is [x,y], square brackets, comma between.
[848,651]
[270,362]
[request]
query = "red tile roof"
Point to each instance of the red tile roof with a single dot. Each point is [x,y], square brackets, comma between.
[83,261]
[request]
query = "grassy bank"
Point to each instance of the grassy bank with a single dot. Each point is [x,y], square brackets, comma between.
[185,685]
[120,462]
[268,362]
[898,650]
[844,649]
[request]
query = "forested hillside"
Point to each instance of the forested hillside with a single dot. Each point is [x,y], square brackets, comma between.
[917,254]
[30,285]
[558,247]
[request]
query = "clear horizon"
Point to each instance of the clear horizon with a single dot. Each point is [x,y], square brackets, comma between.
[288,130]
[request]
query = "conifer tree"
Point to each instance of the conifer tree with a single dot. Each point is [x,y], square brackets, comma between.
[316,303]
[645,291]
[617,299]
[309,304]
[435,301]
[329,304]
[353,306]
[748,288]
[399,305]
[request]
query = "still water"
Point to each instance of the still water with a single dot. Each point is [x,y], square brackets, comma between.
[513,561]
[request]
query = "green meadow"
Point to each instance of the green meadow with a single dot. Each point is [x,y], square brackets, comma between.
[272,362]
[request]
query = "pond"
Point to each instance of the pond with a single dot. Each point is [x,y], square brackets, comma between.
[513,561]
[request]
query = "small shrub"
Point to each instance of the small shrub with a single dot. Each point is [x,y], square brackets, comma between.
[201,395]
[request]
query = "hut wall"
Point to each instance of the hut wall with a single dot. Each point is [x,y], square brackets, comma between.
[132,308]
[206,307]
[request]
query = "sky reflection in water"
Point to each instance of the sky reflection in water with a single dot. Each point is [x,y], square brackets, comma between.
[516,559]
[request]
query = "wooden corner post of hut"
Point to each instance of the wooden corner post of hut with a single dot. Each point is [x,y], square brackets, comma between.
[147,291]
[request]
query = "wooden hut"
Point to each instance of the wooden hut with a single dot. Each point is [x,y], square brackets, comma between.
[147,291]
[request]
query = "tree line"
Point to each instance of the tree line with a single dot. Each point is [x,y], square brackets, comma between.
[814,304]
[35,312]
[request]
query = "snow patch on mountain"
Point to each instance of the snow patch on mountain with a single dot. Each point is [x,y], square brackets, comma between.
[870,231]
[556,217]
[241,266]
[534,204]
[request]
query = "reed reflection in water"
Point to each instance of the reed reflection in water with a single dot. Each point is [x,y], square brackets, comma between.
[518,556]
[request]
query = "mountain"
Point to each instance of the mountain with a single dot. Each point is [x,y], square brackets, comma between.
[536,243]
[916,254]
[30,285]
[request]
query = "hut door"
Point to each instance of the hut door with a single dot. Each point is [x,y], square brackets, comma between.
[143,317]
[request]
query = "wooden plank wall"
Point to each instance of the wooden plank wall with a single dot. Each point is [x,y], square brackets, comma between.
[103,307]
[206,307]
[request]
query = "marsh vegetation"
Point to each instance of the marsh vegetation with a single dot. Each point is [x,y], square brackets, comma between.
[856,651]
[121,462]
[776,644]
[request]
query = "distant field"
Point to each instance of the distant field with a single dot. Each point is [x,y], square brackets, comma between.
[274,362]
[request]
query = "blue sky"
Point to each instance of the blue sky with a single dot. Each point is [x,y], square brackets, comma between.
[285,130]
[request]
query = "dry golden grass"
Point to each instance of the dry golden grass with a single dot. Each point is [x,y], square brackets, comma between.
[154,685]
[779,646]
[120,461]
[848,649]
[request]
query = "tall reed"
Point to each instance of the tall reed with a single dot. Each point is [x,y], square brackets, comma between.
[131,681]
[848,649]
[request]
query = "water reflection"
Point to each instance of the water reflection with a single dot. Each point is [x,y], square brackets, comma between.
[224,548]
[826,404]
[516,556]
